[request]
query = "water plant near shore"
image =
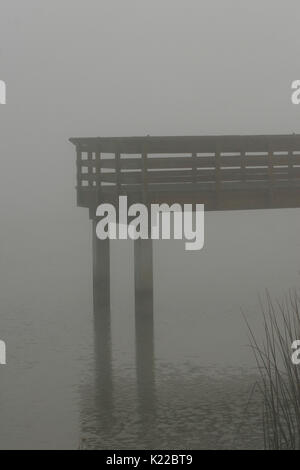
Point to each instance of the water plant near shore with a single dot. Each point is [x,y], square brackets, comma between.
[279,382]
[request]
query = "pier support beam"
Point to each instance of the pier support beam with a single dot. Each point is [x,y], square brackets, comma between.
[101,271]
[143,274]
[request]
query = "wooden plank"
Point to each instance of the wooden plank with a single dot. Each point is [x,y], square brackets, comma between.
[78,165]
[90,168]
[191,144]
[241,195]
[238,174]
[234,196]
[200,186]
[191,162]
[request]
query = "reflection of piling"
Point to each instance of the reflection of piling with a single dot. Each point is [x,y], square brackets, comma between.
[103,366]
[144,330]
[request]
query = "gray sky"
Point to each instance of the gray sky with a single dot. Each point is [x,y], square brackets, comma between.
[135,67]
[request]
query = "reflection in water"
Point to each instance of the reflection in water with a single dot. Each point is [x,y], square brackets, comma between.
[203,367]
[144,335]
[144,332]
[103,368]
[158,405]
[153,404]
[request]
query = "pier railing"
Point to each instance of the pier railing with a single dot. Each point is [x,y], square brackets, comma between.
[152,165]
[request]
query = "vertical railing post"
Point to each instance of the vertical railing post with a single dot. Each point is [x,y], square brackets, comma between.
[270,176]
[290,162]
[118,170]
[78,164]
[243,165]
[98,173]
[194,168]
[144,175]
[90,168]
[218,174]
[78,173]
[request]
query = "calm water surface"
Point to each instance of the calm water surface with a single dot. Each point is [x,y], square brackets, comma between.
[63,389]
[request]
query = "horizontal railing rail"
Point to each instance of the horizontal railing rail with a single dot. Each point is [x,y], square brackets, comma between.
[189,163]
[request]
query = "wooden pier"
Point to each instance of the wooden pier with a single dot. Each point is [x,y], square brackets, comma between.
[221,172]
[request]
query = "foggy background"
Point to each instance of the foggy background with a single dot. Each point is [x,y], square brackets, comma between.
[78,68]
[134,67]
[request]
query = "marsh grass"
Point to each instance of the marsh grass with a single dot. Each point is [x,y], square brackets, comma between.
[279,382]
